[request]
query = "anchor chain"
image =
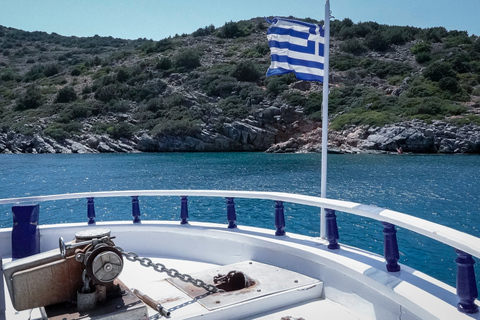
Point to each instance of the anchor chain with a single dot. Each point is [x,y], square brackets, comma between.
[159,267]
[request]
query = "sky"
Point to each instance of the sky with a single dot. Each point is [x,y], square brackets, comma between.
[158,19]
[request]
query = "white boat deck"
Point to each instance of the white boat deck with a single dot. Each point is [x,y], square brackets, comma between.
[182,306]
[355,283]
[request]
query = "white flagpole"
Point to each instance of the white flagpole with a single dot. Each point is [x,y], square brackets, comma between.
[323,190]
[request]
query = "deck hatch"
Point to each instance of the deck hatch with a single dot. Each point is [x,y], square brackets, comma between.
[269,280]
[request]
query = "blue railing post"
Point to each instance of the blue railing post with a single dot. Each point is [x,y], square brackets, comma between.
[390,247]
[90,211]
[184,210]
[25,235]
[279,219]
[135,210]
[466,283]
[332,229]
[231,215]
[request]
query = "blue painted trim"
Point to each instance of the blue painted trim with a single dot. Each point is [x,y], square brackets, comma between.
[135,209]
[279,219]
[466,283]
[184,210]
[332,229]
[91,210]
[390,247]
[25,234]
[231,215]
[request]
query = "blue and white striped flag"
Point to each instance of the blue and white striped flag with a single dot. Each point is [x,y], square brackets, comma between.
[297,47]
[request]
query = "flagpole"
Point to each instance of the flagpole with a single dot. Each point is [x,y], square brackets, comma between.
[323,188]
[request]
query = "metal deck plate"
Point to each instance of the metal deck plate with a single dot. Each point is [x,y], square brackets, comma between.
[125,307]
[268,280]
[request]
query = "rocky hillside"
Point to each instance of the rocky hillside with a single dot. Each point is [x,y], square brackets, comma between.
[206,91]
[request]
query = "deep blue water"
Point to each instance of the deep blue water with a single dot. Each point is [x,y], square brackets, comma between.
[441,188]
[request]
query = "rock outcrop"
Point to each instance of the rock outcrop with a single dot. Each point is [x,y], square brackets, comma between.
[412,136]
[264,133]
[256,133]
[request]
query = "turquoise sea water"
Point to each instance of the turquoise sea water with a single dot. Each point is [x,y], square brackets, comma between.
[441,188]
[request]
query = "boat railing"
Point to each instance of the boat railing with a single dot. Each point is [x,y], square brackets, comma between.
[465,245]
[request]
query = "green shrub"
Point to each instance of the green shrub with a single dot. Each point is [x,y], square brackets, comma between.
[376,41]
[219,85]
[431,106]
[361,117]
[476,45]
[433,35]
[147,90]
[163,45]
[51,70]
[384,69]
[118,106]
[62,131]
[423,57]
[66,94]
[421,89]
[353,46]
[294,98]
[120,130]
[246,71]
[123,74]
[186,60]
[181,127]
[456,40]
[460,61]
[233,30]
[35,72]
[344,62]
[76,72]
[395,80]
[234,107]
[449,84]
[204,31]
[74,111]
[421,47]
[398,35]
[164,63]
[314,103]
[9,75]
[31,100]
[438,70]
[108,93]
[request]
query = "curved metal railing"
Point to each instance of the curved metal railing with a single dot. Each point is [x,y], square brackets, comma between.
[449,236]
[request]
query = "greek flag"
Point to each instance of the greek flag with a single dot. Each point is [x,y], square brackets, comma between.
[297,47]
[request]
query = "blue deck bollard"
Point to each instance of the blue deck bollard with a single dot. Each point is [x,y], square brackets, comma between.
[231,215]
[135,210]
[332,229]
[466,283]
[390,247]
[25,235]
[184,210]
[90,211]
[279,219]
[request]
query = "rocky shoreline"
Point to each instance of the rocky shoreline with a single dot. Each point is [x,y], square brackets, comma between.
[411,136]
[251,135]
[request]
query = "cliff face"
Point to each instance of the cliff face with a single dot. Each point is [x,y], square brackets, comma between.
[411,136]
[260,135]
[256,133]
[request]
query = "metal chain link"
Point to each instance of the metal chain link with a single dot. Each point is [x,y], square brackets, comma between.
[173,273]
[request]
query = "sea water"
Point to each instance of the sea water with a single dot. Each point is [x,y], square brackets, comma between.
[440,188]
